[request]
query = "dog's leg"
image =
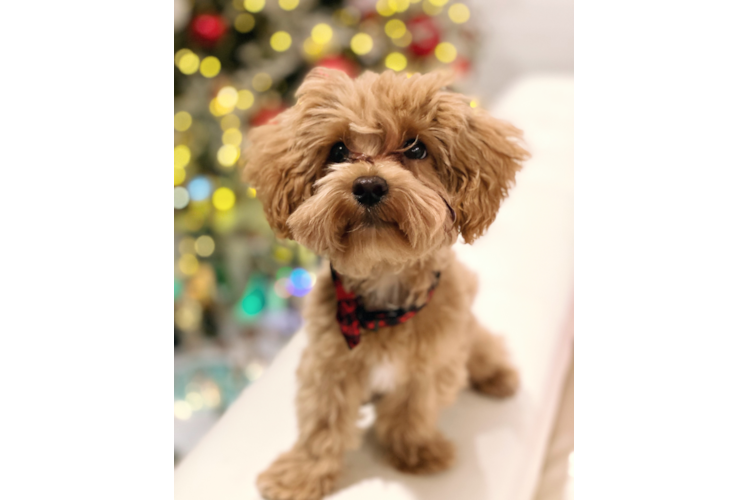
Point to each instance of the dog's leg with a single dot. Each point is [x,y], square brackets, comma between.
[327,405]
[489,366]
[406,426]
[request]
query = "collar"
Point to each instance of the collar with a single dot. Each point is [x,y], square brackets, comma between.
[352,316]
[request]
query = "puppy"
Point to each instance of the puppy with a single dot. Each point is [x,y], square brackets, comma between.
[380,175]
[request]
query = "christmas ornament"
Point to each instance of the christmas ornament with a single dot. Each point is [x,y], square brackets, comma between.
[208,29]
[426,35]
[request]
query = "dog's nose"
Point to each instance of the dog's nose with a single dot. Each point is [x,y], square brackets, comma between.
[368,191]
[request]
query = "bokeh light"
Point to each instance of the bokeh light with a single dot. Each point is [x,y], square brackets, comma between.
[230,121]
[281,288]
[188,63]
[459,13]
[473,103]
[251,193]
[399,5]
[322,33]
[384,9]
[280,41]
[282,254]
[300,282]
[179,175]
[253,302]
[404,40]
[349,16]
[181,197]
[210,67]
[262,82]
[245,99]
[254,5]
[188,264]
[227,97]
[244,23]
[439,3]
[430,8]
[396,61]
[361,44]
[182,410]
[312,48]
[217,110]
[182,121]
[227,155]
[179,54]
[205,246]
[187,245]
[395,28]
[182,156]
[223,198]
[232,136]
[288,4]
[445,52]
[199,188]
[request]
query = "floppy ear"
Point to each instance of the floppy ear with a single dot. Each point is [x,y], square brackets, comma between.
[487,154]
[283,158]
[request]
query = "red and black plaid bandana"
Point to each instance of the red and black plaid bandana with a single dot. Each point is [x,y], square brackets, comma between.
[352,316]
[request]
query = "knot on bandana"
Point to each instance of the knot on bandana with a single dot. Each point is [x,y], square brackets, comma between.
[352,316]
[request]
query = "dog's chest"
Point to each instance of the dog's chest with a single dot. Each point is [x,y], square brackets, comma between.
[383,377]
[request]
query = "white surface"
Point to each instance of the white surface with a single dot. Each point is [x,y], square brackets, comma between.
[525,264]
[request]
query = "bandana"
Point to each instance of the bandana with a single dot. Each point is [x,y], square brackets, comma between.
[352,316]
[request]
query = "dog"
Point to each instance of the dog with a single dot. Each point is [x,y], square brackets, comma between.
[380,175]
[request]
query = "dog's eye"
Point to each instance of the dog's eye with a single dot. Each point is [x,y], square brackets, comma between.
[338,153]
[416,149]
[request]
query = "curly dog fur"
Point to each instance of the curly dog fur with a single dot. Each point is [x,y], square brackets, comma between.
[388,255]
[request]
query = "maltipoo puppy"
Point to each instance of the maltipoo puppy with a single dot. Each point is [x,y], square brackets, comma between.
[380,175]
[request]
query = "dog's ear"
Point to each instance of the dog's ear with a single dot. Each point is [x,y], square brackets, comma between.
[487,155]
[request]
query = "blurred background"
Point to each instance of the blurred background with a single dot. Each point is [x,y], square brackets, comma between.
[237,64]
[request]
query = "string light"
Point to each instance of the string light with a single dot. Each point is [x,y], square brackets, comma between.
[233,137]
[288,4]
[245,99]
[396,61]
[227,97]
[254,5]
[223,198]
[280,41]
[204,246]
[262,82]
[230,121]
[459,13]
[361,44]
[227,156]
[181,197]
[395,28]
[210,67]
[217,110]
[322,33]
[445,52]
[244,23]
[181,156]
[182,121]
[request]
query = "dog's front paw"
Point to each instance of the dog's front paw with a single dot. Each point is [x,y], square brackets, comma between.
[297,476]
[502,383]
[426,457]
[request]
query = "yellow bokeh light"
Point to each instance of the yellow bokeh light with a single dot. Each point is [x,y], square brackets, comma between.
[262,82]
[181,156]
[179,175]
[349,16]
[187,245]
[223,198]
[217,110]
[361,44]
[227,155]
[395,28]
[322,33]
[404,40]
[384,8]
[244,23]
[445,52]
[230,121]
[399,5]
[280,41]
[182,410]
[459,13]
[232,136]
[473,103]
[282,254]
[195,400]
[181,197]
[189,63]
[254,5]
[288,4]
[251,193]
[227,97]
[312,48]
[439,3]
[188,264]
[180,53]
[431,9]
[245,100]
[204,246]
[210,67]
[182,121]
[396,61]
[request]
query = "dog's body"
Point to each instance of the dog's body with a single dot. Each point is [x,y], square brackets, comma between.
[388,238]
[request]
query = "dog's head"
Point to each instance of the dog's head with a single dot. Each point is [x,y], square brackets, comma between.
[381,170]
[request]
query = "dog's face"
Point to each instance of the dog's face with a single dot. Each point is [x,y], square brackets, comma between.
[382,170]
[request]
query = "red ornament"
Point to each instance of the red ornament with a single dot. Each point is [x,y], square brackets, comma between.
[426,35]
[340,63]
[208,29]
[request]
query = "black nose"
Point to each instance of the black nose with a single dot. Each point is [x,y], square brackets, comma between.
[368,191]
